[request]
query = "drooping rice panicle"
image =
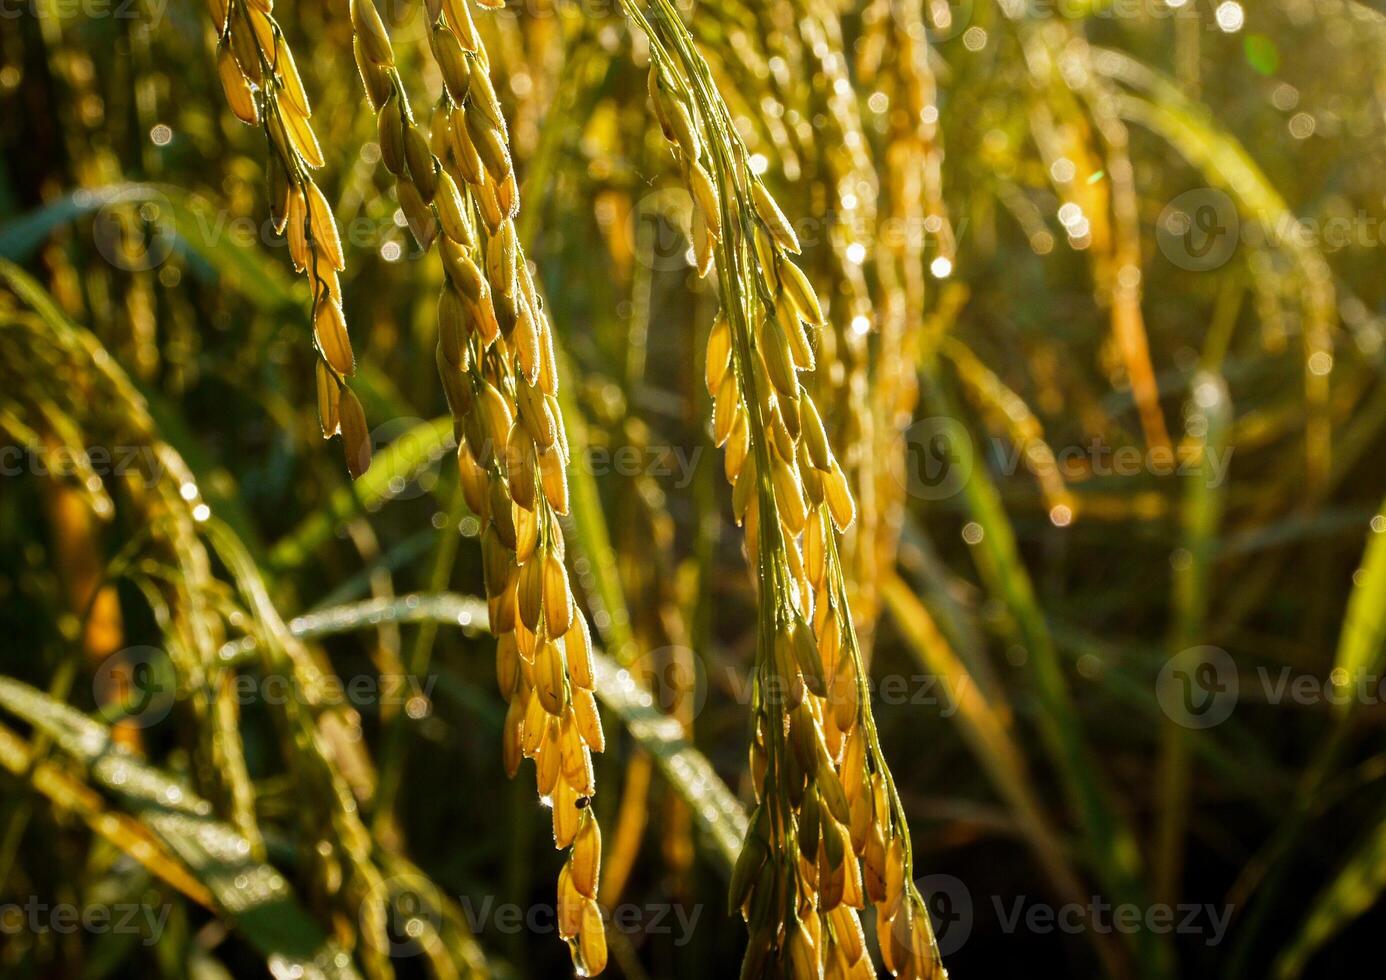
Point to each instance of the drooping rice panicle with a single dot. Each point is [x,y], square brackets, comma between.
[456,184]
[263,87]
[894,61]
[823,789]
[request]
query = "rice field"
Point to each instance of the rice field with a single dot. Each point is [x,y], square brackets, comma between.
[678,488]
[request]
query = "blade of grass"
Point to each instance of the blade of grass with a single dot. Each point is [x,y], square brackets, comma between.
[391,470]
[688,771]
[122,831]
[1189,128]
[1201,518]
[1359,650]
[987,728]
[254,895]
[1354,890]
[1108,841]
[1362,643]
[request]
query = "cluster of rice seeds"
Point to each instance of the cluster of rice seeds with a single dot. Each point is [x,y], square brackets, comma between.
[456,184]
[263,87]
[849,178]
[98,405]
[823,791]
[894,59]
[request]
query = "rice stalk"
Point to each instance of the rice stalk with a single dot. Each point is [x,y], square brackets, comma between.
[262,85]
[894,58]
[1076,111]
[794,882]
[1162,108]
[1208,424]
[495,356]
[195,611]
[1108,839]
[249,892]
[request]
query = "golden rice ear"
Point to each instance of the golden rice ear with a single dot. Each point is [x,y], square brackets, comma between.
[417,214]
[592,939]
[567,818]
[293,84]
[448,200]
[769,212]
[330,333]
[839,497]
[719,351]
[558,597]
[453,63]
[507,665]
[238,93]
[800,292]
[356,441]
[418,159]
[554,479]
[390,134]
[585,713]
[574,759]
[531,592]
[681,123]
[587,857]
[548,762]
[464,151]
[511,752]
[329,397]
[705,196]
[370,30]
[297,228]
[570,905]
[374,80]
[549,683]
[577,643]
